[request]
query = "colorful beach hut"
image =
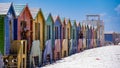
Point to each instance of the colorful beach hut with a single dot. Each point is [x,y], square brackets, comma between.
[38,26]
[87,36]
[68,30]
[64,38]
[35,55]
[92,39]
[73,37]
[79,38]
[7,30]
[95,37]
[24,24]
[57,36]
[84,36]
[49,39]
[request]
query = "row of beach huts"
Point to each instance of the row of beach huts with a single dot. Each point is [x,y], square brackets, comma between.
[30,39]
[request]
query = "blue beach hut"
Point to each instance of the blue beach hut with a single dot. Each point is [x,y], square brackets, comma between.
[7,25]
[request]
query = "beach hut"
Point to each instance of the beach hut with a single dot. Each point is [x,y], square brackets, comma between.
[49,39]
[84,36]
[87,36]
[36,54]
[64,38]
[92,38]
[38,26]
[79,38]
[24,24]
[38,29]
[73,37]
[7,17]
[68,30]
[57,36]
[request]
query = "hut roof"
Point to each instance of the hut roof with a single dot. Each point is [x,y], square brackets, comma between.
[4,8]
[73,22]
[18,8]
[34,12]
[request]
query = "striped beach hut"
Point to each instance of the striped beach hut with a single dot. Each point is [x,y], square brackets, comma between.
[38,26]
[68,30]
[73,37]
[7,17]
[84,36]
[38,30]
[64,38]
[24,24]
[87,36]
[49,39]
[79,38]
[92,39]
[35,54]
[57,36]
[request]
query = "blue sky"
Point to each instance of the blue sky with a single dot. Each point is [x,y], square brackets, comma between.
[77,9]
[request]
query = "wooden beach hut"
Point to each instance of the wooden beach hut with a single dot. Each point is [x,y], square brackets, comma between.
[84,36]
[68,30]
[57,35]
[64,38]
[87,36]
[38,26]
[95,37]
[79,38]
[7,30]
[49,39]
[35,54]
[74,37]
[24,24]
[92,38]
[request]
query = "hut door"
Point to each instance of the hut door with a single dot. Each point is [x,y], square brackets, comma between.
[37,31]
[56,32]
[36,60]
[10,31]
[64,53]
[48,58]
[58,55]
[68,33]
[48,34]
[23,30]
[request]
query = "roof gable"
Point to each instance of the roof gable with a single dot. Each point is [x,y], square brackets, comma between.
[49,18]
[4,8]
[34,12]
[18,9]
[58,20]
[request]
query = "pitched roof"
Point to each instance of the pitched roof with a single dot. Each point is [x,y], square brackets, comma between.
[18,8]
[34,12]
[4,8]
[73,22]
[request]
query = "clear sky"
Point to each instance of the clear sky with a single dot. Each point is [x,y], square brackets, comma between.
[77,10]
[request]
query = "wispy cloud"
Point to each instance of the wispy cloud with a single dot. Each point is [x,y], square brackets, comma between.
[118,9]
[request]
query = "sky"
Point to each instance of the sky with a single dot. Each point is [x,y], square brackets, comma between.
[78,9]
